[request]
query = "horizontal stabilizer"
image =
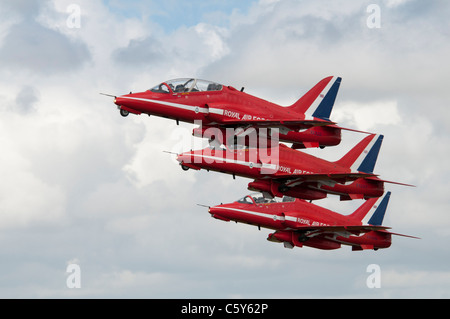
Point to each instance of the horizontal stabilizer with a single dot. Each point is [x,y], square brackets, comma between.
[348,129]
[397,234]
[375,178]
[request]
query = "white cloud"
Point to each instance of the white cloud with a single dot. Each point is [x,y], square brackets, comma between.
[395,3]
[25,199]
[368,115]
[427,281]
[30,46]
[213,38]
[83,181]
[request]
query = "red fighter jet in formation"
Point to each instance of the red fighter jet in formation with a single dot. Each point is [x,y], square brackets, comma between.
[306,123]
[242,142]
[298,223]
[280,170]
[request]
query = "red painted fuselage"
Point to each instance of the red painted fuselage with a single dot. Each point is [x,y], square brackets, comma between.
[284,171]
[299,223]
[305,123]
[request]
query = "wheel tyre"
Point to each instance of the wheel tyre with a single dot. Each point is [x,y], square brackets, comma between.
[124,113]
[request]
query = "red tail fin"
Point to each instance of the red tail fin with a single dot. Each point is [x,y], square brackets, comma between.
[362,210]
[318,102]
[378,208]
[363,157]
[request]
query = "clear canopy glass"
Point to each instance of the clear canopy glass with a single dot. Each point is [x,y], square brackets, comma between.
[186,85]
[259,198]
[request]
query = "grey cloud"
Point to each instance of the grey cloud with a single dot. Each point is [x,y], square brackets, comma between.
[141,52]
[24,8]
[26,99]
[298,42]
[152,241]
[33,47]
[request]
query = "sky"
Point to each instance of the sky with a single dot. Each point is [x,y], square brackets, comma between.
[80,185]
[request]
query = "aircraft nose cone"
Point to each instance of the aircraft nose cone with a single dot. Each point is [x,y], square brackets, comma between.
[185,157]
[118,101]
[218,213]
[213,210]
[181,157]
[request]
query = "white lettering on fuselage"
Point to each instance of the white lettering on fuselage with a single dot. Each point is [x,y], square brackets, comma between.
[287,169]
[307,222]
[319,224]
[301,171]
[232,114]
[252,117]
[284,169]
[303,221]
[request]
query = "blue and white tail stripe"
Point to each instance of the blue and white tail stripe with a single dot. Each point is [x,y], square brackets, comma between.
[379,210]
[366,161]
[323,105]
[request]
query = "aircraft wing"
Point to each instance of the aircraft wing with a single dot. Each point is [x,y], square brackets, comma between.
[346,231]
[290,123]
[291,180]
[340,230]
[280,182]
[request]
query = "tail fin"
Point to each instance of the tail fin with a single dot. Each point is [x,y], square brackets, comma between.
[319,101]
[377,205]
[378,215]
[363,156]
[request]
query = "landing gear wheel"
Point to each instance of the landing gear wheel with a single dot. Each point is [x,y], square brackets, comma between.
[184,168]
[124,113]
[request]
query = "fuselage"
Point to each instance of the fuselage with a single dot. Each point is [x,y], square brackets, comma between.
[212,104]
[280,161]
[288,214]
[299,223]
[284,171]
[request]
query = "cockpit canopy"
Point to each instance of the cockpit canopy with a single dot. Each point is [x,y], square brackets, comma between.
[258,198]
[186,85]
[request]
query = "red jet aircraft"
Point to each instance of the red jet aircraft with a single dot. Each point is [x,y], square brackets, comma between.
[286,171]
[305,123]
[299,223]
